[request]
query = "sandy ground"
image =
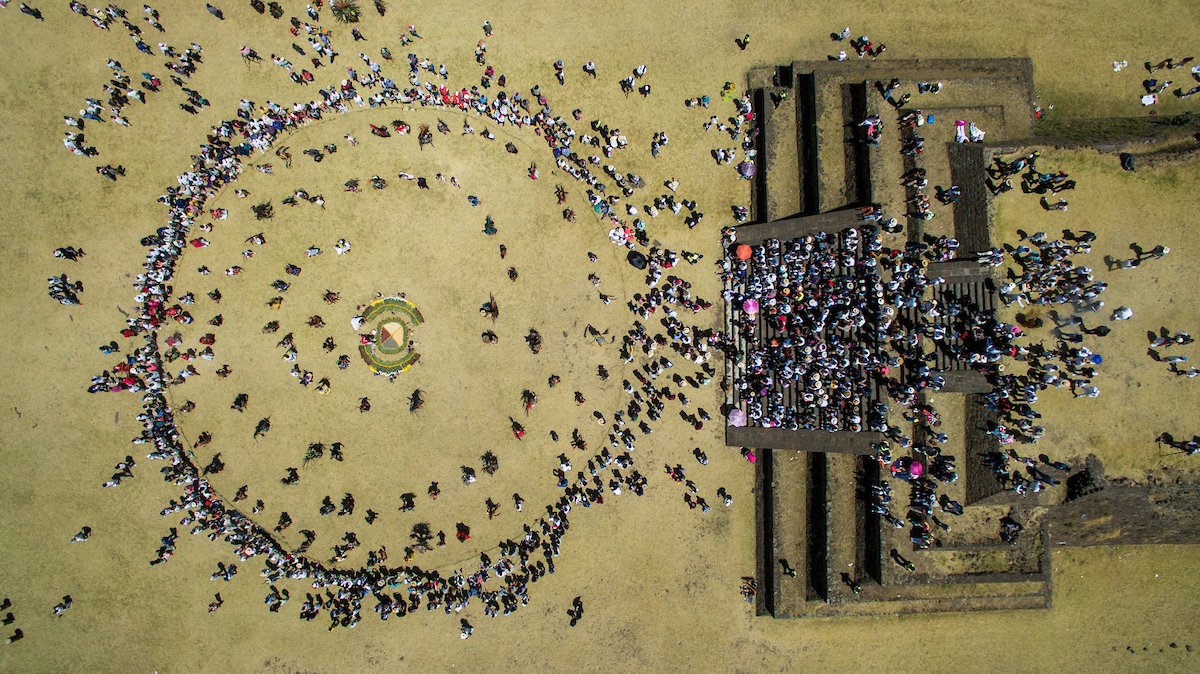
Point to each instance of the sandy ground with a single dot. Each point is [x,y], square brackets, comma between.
[1139,397]
[659,581]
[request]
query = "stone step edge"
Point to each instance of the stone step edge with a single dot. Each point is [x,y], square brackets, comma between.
[909,606]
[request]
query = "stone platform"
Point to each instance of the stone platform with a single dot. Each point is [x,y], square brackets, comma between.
[817,539]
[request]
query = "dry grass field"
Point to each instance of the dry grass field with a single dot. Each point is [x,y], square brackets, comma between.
[659,581]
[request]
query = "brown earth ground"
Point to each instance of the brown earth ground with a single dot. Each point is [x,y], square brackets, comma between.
[1139,398]
[659,581]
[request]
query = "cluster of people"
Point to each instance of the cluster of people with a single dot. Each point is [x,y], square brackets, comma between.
[690,497]
[120,89]
[1045,183]
[1049,276]
[653,370]
[109,172]
[797,300]
[318,39]
[63,605]
[103,18]
[1153,87]
[9,619]
[818,318]
[124,470]
[1166,340]
[872,127]
[628,83]
[64,289]
[1037,480]
[674,292]
[741,125]
[967,132]
[77,143]
[607,140]
[961,330]
[1140,256]
[923,497]
[695,344]
[749,588]
[634,234]
[167,548]
[863,46]
[207,512]
[1188,447]
[1033,181]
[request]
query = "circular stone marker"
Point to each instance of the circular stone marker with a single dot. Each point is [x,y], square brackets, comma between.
[389,352]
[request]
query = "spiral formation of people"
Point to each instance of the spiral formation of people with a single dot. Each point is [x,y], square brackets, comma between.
[576,338]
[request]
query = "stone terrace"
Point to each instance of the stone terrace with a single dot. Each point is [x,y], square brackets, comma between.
[812,485]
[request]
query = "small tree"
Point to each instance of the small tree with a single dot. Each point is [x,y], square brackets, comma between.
[345,11]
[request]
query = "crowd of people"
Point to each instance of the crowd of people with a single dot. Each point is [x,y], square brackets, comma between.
[837,316]
[809,291]
[824,320]
[210,515]
[120,89]
[144,370]
[741,125]
[344,589]
[809,350]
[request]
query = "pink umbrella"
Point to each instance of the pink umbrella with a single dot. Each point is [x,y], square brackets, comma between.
[737,418]
[750,307]
[916,469]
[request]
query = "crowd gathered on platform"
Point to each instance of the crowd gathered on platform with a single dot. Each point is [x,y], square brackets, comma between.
[831,329]
[811,353]
[809,291]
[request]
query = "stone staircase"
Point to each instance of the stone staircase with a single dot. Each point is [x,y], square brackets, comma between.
[808,159]
[813,487]
[813,505]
